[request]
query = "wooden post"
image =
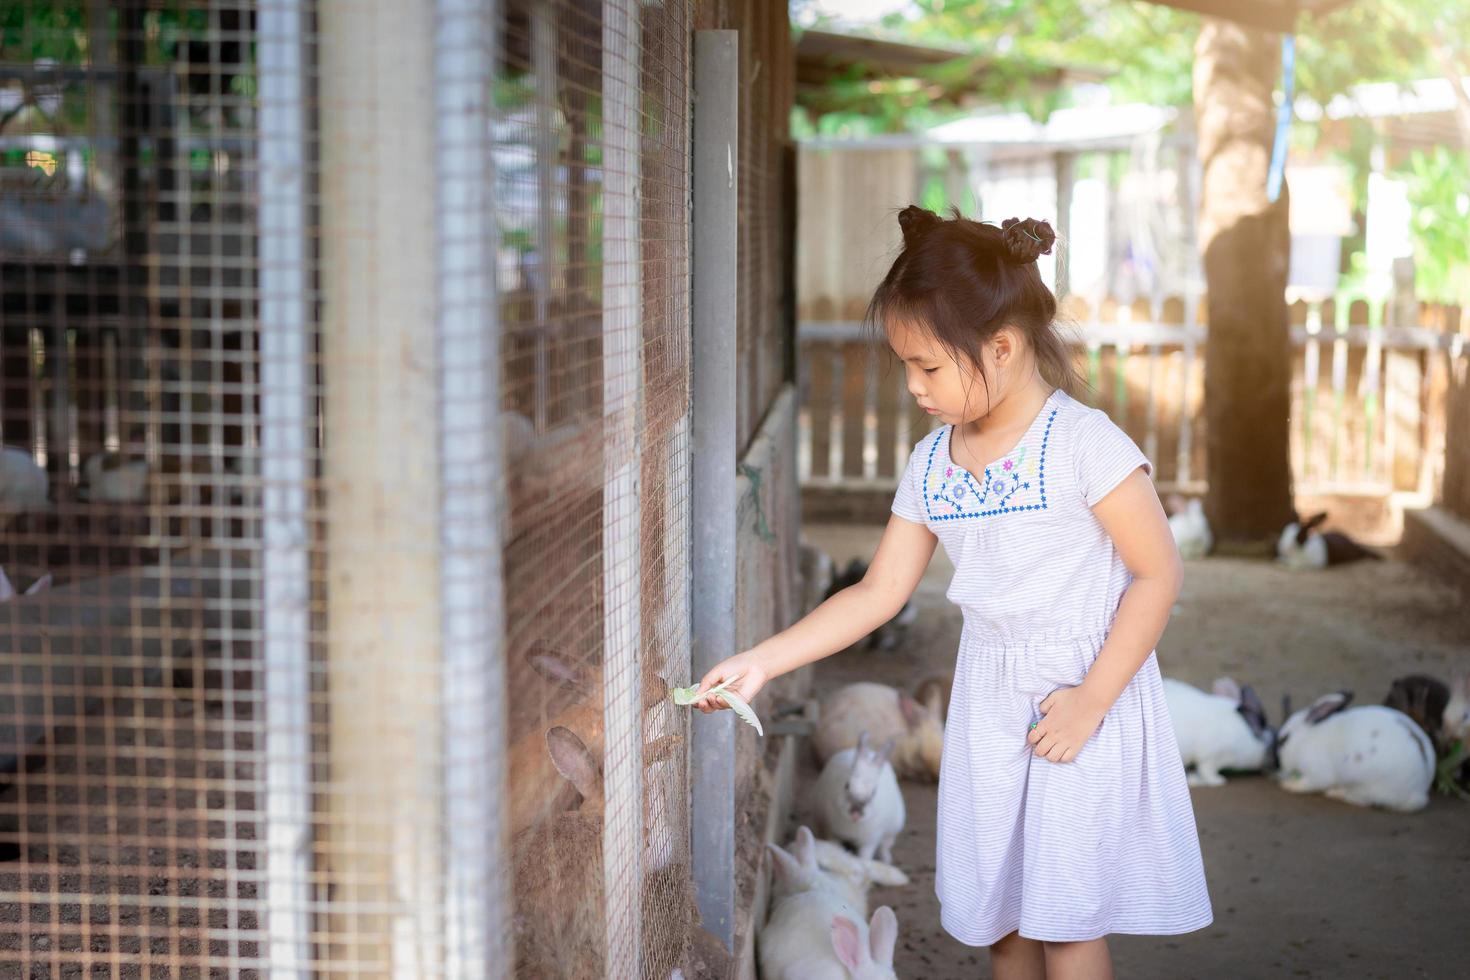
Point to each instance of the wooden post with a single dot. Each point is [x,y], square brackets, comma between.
[381,858]
[1401,381]
[1066,167]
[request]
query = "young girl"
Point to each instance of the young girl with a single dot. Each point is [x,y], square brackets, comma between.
[1064,814]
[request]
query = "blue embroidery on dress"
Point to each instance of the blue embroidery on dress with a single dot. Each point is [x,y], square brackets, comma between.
[1008,485]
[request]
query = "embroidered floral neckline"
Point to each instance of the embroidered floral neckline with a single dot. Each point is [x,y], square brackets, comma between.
[1015,481]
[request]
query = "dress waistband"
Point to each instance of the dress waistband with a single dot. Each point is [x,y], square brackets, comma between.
[988,634]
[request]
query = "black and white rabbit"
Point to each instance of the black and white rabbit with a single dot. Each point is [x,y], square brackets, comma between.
[1225,729]
[1370,755]
[1302,547]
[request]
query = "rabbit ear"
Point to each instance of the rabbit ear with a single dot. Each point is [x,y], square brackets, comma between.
[573,761]
[783,865]
[805,848]
[1253,711]
[883,934]
[862,742]
[7,591]
[909,708]
[886,748]
[1328,705]
[1226,687]
[934,700]
[1314,520]
[40,585]
[847,942]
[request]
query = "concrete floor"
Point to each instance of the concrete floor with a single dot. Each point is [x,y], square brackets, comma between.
[1301,886]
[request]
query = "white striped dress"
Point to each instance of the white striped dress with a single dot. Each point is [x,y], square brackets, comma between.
[1067,851]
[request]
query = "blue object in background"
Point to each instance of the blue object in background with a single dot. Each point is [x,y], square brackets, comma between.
[1283,118]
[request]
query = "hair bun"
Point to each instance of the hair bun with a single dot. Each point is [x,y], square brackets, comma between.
[1026,239]
[915,221]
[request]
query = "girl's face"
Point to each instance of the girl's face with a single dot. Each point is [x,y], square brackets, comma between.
[953,392]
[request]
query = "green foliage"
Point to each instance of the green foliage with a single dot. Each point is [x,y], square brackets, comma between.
[31,30]
[1439,195]
[688,695]
[1145,51]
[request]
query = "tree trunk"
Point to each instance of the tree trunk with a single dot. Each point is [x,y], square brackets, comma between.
[1246,244]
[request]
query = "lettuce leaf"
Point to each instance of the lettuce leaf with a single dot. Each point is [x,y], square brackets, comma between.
[688,695]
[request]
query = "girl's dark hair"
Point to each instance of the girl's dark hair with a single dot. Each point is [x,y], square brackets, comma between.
[963,280]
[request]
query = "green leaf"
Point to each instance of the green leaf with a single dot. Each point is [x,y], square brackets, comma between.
[1448,768]
[688,695]
[685,695]
[743,710]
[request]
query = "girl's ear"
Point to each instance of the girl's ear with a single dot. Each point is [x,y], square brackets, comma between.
[1002,346]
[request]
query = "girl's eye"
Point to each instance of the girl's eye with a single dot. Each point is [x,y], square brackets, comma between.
[930,370]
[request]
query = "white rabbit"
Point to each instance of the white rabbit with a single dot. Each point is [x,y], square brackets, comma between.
[799,870]
[858,799]
[884,712]
[24,486]
[795,942]
[1302,547]
[808,862]
[112,478]
[1369,756]
[1191,531]
[1223,730]
[833,858]
[871,959]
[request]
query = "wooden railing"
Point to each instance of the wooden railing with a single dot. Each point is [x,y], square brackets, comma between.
[1368,401]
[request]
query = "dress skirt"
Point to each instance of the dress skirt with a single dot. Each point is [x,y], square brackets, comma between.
[1105,843]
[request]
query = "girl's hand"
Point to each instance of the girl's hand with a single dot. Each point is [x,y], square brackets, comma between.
[745,666]
[1069,717]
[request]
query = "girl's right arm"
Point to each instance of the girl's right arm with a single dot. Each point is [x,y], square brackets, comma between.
[837,623]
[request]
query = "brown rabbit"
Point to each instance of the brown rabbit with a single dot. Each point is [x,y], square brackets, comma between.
[558,876]
[559,920]
[532,771]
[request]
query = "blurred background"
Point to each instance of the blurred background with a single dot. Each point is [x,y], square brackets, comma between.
[399,398]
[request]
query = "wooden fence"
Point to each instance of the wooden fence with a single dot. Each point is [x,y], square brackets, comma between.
[1370,402]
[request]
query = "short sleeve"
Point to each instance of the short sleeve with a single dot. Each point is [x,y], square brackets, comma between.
[1105,456]
[906,500]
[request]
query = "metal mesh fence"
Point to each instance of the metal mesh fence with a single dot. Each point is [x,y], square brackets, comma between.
[130,694]
[225,731]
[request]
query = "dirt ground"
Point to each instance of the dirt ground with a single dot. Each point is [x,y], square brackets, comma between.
[1302,886]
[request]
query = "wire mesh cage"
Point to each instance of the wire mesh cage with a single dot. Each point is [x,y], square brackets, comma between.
[234,738]
[593,155]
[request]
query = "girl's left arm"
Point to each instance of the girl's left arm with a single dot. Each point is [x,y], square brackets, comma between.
[1135,520]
